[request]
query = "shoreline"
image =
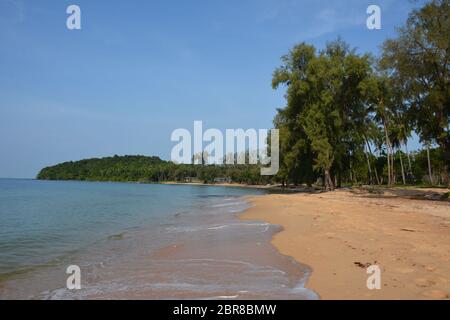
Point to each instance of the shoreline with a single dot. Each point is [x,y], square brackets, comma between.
[415,192]
[339,234]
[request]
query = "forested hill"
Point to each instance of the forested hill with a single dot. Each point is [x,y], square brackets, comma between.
[117,168]
[150,169]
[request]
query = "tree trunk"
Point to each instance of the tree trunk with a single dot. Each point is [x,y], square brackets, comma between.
[369,168]
[328,181]
[393,177]
[444,143]
[376,176]
[325,181]
[374,167]
[339,180]
[409,157]
[429,165]
[353,179]
[388,152]
[401,164]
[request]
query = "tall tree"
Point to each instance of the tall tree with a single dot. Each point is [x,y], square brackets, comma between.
[418,61]
[324,119]
[295,147]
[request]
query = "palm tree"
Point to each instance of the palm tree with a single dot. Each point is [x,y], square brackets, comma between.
[370,138]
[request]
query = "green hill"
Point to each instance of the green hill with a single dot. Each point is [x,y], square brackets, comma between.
[148,169]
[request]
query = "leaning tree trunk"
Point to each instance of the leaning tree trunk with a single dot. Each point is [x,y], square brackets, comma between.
[409,157]
[375,166]
[369,168]
[401,164]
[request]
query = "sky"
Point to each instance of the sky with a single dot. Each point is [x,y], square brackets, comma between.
[137,70]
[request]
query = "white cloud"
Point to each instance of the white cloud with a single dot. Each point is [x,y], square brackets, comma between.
[309,19]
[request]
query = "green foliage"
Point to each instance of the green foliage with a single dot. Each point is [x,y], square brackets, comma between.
[418,63]
[326,110]
[149,169]
[340,106]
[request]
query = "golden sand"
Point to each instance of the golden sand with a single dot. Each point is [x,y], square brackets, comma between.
[339,234]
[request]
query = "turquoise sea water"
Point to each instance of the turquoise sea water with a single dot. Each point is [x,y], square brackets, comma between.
[136,241]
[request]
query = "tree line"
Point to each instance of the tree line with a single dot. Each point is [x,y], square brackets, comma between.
[154,170]
[348,116]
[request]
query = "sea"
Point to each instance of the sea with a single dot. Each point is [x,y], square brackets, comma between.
[138,241]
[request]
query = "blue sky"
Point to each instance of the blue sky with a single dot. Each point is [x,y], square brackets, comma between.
[140,69]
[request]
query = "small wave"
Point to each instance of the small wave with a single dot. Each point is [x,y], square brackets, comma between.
[182,229]
[179,214]
[218,227]
[207,196]
[236,211]
[228,204]
[119,236]
[251,266]
[307,293]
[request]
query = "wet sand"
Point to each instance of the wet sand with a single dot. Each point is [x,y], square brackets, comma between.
[339,234]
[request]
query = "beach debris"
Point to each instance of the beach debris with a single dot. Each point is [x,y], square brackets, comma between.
[364,265]
[407,230]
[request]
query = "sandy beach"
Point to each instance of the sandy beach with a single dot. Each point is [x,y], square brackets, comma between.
[339,234]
